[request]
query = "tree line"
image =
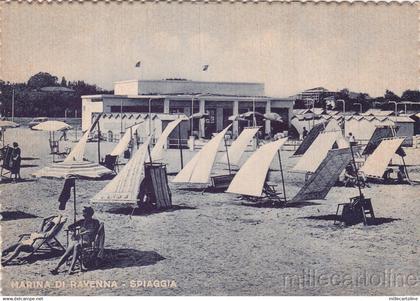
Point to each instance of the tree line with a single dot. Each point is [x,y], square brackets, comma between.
[352,101]
[44,95]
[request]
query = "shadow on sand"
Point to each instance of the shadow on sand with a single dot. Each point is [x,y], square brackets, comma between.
[22,260]
[14,215]
[332,217]
[144,212]
[123,258]
[279,204]
[11,181]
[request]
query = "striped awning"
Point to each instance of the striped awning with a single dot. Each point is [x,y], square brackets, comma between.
[79,169]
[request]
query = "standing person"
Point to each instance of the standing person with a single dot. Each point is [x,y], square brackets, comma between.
[304,133]
[15,161]
[352,139]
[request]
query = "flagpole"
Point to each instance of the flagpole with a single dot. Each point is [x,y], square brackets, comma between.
[74,201]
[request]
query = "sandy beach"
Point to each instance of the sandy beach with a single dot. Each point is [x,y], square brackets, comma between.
[212,244]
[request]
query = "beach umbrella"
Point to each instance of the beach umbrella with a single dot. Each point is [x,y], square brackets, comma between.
[52,126]
[236,118]
[273,117]
[199,115]
[8,124]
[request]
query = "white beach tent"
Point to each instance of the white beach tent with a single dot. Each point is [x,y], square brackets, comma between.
[237,149]
[158,149]
[198,169]
[124,141]
[249,180]
[318,150]
[378,161]
[125,187]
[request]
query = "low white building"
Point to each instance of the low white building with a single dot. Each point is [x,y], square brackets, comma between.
[218,99]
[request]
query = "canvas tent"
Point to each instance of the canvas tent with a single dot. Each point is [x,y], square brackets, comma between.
[378,161]
[249,180]
[124,188]
[379,134]
[309,139]
[124,141]
[158,149]
[318,150]
[325,176]
[237,149]
[198,169]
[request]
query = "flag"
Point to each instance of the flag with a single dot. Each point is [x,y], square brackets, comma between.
[138,64]
[65,193]
[205,67]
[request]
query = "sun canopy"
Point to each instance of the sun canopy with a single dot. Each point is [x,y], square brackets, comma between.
[237,149]
[198,169]
[125,187]
[325,176]
[250,178]
[52,126]
[79,169]
[124,141]
[157,152]
[309,139]
[377,163]
[318,150]
[8,124]
[379,134]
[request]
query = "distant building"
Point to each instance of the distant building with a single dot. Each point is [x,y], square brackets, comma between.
[315,94]
[219,100]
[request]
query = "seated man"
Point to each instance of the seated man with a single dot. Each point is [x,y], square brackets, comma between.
[349,176]
[401,175]
[88,228]
[34,241]
[387,175]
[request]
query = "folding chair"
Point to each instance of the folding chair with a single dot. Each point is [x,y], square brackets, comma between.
[91,253]
[50,242]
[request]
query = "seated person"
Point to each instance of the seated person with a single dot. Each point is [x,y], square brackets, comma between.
[88,228]
[349,176]
[34,241]
[387,174]
[401,175]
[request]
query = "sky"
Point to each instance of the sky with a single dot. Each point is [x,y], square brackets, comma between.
[288,47]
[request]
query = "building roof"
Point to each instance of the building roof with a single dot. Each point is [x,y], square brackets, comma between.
[377,112]
[57,89]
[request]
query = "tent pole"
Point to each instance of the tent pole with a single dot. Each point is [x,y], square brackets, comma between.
[99,143]
[227,156]
[74,201]
[282,176]
[356,171]
[405,168]
[150,155]
[132,142]
[180,146]
[53,147]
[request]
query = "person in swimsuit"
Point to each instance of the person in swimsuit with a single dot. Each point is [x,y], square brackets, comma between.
[31,243]
[88,227]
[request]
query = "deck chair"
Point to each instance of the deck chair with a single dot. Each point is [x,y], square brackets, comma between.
[110,162]
[47,242]
[54,147]
[91,254]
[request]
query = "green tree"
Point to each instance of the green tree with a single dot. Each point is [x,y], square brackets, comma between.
[63,82]
[42,79]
